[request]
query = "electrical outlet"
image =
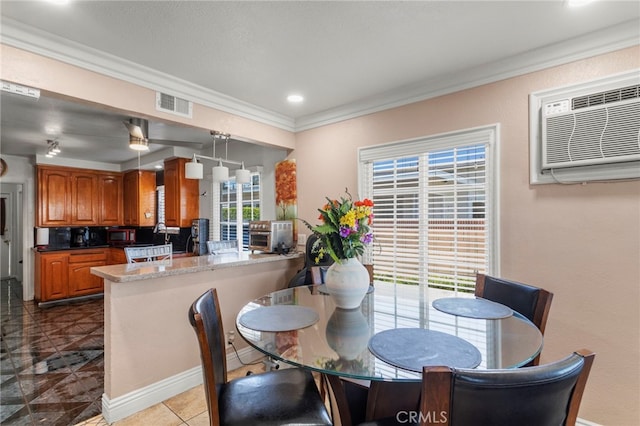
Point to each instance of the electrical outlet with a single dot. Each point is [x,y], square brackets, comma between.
[302,239]
[231,336]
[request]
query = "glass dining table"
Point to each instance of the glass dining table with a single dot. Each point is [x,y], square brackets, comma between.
[309,331]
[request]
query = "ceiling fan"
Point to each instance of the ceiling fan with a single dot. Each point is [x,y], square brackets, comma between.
[139,136]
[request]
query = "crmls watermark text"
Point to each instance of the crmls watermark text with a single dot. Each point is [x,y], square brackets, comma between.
[431,417]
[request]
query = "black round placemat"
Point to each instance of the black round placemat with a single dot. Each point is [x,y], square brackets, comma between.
[279,318]
[413,348]
[472,308]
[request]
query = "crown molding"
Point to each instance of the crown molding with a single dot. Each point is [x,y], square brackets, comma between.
[614,38]
[37,41]
[16,34]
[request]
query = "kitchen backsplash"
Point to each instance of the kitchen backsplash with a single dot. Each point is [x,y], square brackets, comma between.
[69,237]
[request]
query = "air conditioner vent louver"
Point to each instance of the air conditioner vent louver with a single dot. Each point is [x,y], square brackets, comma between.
[617,95]
[599,135]
[174,105]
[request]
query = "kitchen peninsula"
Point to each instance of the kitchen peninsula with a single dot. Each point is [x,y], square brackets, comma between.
[151,352]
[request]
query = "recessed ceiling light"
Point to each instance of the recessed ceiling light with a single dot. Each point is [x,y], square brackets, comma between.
[578,3]
[295,99]
[158,166]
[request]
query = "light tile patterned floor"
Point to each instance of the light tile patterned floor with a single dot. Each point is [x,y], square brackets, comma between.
[187,409]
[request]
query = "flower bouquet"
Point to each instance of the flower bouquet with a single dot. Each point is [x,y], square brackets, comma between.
[344,233]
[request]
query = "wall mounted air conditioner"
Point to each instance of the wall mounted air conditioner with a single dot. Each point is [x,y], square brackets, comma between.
[587,132]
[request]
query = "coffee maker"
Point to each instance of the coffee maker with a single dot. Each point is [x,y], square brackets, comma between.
[79,237]
[200,235]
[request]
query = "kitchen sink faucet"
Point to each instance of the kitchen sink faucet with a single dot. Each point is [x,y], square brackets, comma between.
[166,233]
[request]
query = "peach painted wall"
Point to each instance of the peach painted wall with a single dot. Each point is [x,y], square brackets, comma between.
[63,80]
[582,242]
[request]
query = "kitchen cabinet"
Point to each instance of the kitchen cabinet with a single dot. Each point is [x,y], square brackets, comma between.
[51,276]
[140,198]
[67,273]
[53,197]
[81,281]
[117,256]
[110,199]
[84,198]
[181,196]
[68,196]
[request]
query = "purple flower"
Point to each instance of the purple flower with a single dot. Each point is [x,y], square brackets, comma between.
[345,231]
[367,238]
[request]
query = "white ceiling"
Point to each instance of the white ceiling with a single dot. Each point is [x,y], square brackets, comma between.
[346,58]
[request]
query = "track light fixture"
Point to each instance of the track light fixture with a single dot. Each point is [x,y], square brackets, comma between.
[220,173]
[54,148]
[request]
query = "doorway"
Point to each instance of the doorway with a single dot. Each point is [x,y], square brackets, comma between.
[11,230]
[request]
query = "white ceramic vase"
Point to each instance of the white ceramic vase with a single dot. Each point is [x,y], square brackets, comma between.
[347,333]
[347,282]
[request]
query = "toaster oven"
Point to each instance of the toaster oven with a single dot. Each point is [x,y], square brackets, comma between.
[270,236]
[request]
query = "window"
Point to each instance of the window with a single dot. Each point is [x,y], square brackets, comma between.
[434,208]
[160,207]
[228,208]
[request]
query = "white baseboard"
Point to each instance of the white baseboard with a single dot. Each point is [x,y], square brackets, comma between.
[583,422]
[143,398]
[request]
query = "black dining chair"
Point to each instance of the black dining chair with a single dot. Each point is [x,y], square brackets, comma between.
[532,302]
[542,395]
[282,397]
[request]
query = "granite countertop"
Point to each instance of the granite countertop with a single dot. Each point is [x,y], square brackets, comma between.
[184,265]
[50,249]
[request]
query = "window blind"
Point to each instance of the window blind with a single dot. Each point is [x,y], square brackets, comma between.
[434,208]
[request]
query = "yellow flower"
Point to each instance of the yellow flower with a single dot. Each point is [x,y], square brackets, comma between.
[349,219]
[362,212]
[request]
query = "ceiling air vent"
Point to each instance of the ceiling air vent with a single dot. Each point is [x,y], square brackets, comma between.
[174,105]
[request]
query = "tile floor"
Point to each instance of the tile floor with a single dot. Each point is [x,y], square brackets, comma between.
[52,368]
[51,360]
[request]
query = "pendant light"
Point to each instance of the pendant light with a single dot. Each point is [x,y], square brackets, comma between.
[243,175]
[219,173]
[193,169]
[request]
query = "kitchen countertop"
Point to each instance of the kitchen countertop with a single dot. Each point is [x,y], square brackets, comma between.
[100,246]
[184,265]
[50,249]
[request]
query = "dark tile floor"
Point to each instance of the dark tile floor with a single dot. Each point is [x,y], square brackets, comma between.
[52,360]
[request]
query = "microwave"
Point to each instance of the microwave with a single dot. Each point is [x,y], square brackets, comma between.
[121,236]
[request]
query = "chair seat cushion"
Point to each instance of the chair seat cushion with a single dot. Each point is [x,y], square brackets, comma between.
[401,420]
[288,396]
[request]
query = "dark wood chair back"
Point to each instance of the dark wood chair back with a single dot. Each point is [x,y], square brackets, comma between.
[532,302]
[205,318]
[542,395]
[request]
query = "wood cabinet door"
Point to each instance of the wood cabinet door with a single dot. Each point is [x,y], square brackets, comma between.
[54,277]
[140,198]
[130,198]
[82,281]
[110,198]
[181,199]
[171,193]
[117,256]
[53,197]
[84,198]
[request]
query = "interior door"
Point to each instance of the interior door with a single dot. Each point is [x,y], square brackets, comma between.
[6,219]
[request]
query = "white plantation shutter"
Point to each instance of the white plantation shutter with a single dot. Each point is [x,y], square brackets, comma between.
[434,208]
